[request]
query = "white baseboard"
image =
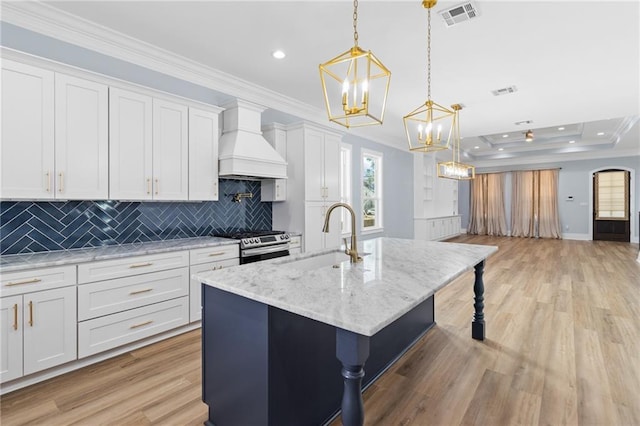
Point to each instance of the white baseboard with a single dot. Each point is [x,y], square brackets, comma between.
[580,237]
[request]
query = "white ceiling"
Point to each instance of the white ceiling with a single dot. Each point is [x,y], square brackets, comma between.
[576,64]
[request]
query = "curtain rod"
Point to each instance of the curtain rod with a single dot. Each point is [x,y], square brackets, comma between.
[517,170]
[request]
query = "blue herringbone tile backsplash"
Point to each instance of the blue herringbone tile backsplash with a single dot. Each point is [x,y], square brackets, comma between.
[27,227]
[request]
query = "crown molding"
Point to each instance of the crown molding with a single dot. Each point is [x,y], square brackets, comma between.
[557,158]
[39,17]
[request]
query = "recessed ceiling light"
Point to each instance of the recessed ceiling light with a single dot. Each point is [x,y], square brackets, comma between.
[278,54]
[500,149]
[572,141]
[476,147]
[560,128]
[600,133]
[505,136]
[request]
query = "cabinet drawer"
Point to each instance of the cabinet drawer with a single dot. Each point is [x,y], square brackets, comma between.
[109,297]
[37,279]
[125,267]
[210,254]
[195,292]
[295,242]
[101,334]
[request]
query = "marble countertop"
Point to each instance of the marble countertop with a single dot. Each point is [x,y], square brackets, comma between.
[19,262]
[394,277]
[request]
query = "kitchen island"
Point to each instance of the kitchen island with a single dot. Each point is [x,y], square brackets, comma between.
[277,334]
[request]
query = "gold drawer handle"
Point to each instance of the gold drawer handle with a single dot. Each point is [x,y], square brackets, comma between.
[31,313]
[140,265]
[218,253]
[146,290]
[141,324]
[15,316]
[27,281]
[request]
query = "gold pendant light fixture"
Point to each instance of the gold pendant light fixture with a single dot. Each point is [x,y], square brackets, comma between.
[430,126]
[355,85]
[454,169]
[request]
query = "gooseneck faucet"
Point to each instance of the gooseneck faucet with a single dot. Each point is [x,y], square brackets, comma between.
[353,251]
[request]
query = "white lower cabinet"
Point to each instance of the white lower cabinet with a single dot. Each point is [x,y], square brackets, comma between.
[195,298]
[436,228]
[315,239]
[123,300]
[108,297]
[38,331]
[10,338]
[108,332]
[205,260]
[295,244]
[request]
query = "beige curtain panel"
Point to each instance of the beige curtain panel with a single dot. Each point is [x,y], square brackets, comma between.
[487,215]
[534,204]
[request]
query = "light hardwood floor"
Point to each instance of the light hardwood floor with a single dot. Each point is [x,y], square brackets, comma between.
[562,348]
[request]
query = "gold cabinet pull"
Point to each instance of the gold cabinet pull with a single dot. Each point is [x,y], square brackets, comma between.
[48,181]
[217,253]
[146,290]
[15,316]
[215,188]
[30,313]
[141,324]
[140,265]
[217,268]
[27,281]
[157,186]
[61,175]
[148,186]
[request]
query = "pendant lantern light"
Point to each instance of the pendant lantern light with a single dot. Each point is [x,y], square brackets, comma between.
[355,85]
[429,127]
[454,169]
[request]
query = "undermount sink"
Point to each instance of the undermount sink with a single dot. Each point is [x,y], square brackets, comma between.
[332,259]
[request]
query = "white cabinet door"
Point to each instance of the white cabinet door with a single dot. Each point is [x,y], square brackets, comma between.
[49,319]
[273,190]
[195,290]
[27,149]
[81,139]
[203,155]
[170,151]
[10,338]
[314,238]
[130,145]
[331,164]
[314,165]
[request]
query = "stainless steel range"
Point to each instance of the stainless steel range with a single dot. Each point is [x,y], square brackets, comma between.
[259,245]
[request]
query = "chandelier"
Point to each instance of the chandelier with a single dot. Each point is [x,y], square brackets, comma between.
[355,85]
[454,169]
[430,126]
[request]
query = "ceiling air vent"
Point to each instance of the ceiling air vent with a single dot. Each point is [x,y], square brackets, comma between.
[504,91]
[460,13]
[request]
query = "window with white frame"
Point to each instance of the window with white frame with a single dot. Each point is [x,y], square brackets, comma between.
[345,186]
[371,191]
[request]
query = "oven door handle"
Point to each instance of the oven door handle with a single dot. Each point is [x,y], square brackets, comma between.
[264,250]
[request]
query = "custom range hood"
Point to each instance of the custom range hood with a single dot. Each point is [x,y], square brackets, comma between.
[243,152]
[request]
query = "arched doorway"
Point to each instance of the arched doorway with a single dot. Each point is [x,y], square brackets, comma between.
[612,204]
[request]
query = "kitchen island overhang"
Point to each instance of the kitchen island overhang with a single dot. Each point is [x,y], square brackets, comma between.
[252,316]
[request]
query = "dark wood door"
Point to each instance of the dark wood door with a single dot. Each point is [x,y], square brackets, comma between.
[611,229]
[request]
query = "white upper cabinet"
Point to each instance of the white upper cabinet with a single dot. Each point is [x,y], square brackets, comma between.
[54,135]
[130,145]
[148,148]
[27,153]
[203,155]
[322,166]
[81,134]
[170,151]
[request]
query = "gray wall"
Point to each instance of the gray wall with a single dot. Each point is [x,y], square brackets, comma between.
[574,181]
[397,190]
